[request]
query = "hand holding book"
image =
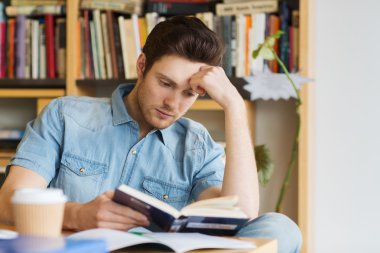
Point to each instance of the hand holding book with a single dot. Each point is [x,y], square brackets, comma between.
[217,216]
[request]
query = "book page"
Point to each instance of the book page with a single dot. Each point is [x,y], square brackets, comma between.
[215,207]
[182,242]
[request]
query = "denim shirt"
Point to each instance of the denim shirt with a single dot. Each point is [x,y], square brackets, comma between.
[87,146]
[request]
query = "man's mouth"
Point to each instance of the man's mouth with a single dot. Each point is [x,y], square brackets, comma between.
[164,114]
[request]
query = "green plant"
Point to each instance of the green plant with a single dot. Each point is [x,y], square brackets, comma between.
[267,51]
[264,164]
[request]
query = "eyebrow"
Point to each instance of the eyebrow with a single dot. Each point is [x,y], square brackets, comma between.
[170,81]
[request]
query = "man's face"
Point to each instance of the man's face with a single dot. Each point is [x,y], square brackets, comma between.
[164,94]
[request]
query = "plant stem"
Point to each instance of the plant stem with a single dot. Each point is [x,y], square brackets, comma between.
[288,76]
[294,154]
[291,165]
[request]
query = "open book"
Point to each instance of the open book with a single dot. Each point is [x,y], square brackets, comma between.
[217,216]
[178,242]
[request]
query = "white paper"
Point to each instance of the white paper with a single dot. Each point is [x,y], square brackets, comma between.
[179,242]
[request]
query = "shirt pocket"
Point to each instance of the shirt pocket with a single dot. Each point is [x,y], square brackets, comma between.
[173,194]
[80,178]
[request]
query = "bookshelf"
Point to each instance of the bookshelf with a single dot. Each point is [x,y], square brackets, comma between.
[45,90]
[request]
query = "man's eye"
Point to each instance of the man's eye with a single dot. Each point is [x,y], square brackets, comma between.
[164,83]
[189,94]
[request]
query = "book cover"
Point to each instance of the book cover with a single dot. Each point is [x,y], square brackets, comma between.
[218,216]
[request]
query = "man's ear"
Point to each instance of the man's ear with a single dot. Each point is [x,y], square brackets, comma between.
[140,65]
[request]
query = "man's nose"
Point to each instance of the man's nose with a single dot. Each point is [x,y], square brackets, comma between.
[172,100]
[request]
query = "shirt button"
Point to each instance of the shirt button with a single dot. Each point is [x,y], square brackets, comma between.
[134,152]
[165,196]
[81,170]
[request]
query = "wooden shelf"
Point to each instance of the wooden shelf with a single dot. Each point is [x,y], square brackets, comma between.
[33,83]
[31,93]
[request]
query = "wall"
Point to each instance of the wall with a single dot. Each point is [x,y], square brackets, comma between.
[344,182]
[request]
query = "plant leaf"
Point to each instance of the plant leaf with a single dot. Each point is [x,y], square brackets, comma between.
[267,54]
[264,164]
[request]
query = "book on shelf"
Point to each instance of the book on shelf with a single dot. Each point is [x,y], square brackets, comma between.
[35,10]
[177,242]
[130,6]
[173,7]
[217,216]
[37,2]
[247,8]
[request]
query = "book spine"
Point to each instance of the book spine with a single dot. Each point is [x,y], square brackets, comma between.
[177,8]
[35,48]
[107,50]
[35,10]
[284,40]
[2,48]
[42,41]
[118,49]
[94,50]
[136,34]
[89,61]
[131,48]
[20,46]
[126,7]
[28,49]
[11,47]
[111,35]
[227,61]
[123,46]
[99,43]
[248,8]
[50,52]
[61,48]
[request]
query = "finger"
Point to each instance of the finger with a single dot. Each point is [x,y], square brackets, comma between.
[109,194]
[116,225]
[109,216]
[127,212]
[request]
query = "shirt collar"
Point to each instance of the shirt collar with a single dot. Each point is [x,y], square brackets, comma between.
[120,114]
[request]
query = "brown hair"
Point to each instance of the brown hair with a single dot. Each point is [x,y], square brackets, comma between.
[187,37]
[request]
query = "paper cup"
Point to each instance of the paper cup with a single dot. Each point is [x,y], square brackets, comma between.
[39,211]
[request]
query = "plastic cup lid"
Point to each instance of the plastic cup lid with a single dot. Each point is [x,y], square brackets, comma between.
[38,196]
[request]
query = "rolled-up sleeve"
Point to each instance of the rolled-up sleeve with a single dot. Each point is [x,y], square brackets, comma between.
[39,149]
[211,167]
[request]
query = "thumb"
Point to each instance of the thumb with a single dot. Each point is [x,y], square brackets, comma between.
[109,194]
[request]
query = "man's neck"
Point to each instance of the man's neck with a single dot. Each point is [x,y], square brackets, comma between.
[134,110]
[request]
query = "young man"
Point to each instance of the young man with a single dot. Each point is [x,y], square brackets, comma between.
[89,146]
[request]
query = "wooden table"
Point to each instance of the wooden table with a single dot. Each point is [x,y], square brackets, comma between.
[263,245]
